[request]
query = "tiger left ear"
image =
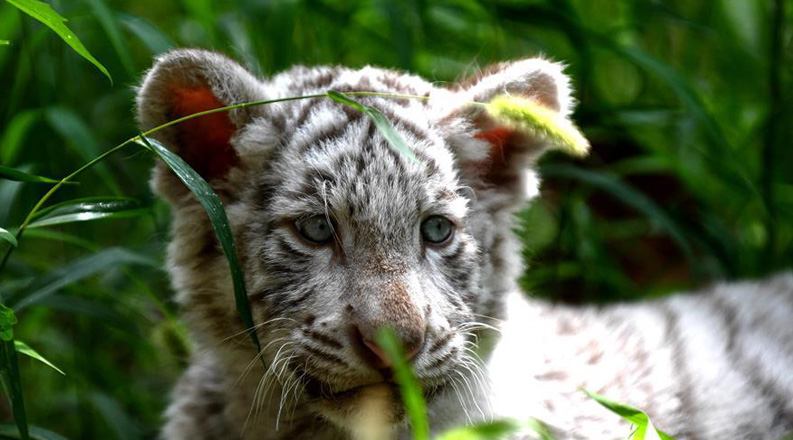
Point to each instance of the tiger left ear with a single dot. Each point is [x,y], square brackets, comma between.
[491,154]
[185,82]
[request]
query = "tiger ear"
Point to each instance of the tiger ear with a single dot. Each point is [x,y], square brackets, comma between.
[184,82]
[493,155]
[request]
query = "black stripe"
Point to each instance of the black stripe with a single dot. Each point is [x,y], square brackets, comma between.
[674,339]
[327,357]
[750,368]
[323,338]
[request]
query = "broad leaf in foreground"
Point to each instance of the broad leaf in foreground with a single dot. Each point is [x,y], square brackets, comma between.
[93,208]
[220,223]
[644,427]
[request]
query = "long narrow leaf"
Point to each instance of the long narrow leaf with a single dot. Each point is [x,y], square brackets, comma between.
[7,236]
[25,349]
[21,176]
[383,125]
[88,209]
[644,427]
[46,15]
[412,395]
[220,223]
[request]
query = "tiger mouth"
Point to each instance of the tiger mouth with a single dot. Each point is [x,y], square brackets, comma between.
[323,390]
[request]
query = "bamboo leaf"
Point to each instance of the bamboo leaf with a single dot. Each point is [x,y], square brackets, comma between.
[46,15]
[220,223]
[94,208]
[9,237]
[381,122]
[412,394]
[21,176]
[644,427]
[25,349]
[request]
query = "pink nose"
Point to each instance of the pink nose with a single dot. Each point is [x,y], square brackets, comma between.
[381,359]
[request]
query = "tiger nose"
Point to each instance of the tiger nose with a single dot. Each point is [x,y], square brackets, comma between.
[375,356]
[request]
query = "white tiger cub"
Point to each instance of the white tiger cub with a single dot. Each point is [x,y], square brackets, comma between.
[339,235]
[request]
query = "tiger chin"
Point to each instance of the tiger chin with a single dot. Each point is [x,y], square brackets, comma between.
[339,235]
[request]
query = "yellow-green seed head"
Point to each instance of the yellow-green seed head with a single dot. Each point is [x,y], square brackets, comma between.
[533,119]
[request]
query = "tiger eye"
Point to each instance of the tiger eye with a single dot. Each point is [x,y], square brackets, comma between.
[436,229]
[315,229]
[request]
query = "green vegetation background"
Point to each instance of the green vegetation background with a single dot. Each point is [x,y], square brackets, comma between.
[688,105]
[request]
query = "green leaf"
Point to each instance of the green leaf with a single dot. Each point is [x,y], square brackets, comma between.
[412,394]
[36,433]
[4,42]
[644,427]
[25,349]
[7,322]
[9,237]
[9,374]
[21,176]
[75,271]
[46,15]
[220,223]
[383,125]
[93,208]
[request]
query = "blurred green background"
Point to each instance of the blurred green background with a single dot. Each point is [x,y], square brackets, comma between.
[688,106]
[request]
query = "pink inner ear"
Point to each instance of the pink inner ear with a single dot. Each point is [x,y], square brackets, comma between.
[499,171]
[203,141]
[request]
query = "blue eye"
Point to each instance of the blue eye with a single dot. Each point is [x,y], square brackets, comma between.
[315,229]
[436,229]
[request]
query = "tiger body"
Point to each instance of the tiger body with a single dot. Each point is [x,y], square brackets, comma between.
[703,365]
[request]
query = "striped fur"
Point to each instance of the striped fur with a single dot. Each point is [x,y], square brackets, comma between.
[704,365]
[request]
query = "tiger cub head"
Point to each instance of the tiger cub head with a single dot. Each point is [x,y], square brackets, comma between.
[340,234]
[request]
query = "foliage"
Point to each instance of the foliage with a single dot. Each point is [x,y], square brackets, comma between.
[688,178]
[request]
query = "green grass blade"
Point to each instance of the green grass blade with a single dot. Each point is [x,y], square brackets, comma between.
[36,433]
[25,349]
[412,394]
[4,43]
[21,176]
[93,208]
[383,125]
[644,427]
[75,271]
[9,237]
[220,223]
[46,15]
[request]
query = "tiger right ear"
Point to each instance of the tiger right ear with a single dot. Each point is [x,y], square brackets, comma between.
[491,154]
[184,82]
